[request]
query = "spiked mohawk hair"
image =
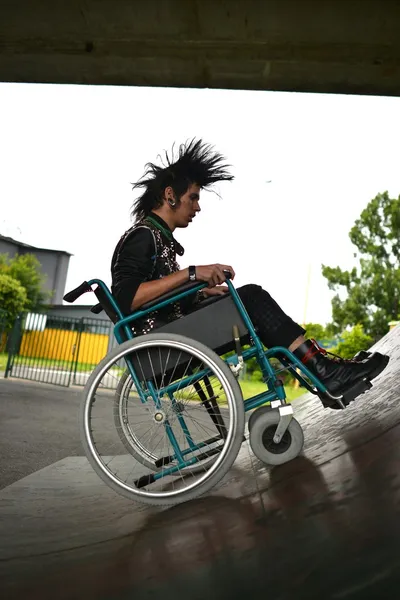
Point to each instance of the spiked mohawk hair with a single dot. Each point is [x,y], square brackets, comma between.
[196,163]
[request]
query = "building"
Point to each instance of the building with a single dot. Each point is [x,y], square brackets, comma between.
[53,263]
[69,333]
[54,266]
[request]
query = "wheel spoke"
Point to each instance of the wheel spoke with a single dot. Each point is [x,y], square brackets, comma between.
[132,442]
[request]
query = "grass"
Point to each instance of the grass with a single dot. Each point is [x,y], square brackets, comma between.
[46,362]
[3,361]
[252,388]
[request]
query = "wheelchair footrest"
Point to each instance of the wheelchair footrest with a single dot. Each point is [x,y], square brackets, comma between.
[145,480]
[209,453]
[151,478]
[166,460]
[348,396]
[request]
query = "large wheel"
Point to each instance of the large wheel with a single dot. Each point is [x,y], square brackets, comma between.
[128,410]
[262,431]
[177,426]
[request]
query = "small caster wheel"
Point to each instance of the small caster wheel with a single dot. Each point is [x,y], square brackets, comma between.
[255,414]
[262,443]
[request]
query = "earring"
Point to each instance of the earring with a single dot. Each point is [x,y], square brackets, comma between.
[171,202]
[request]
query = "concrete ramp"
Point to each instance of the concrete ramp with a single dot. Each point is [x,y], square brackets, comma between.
[326,525]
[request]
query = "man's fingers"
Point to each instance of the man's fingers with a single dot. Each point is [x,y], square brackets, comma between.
[232,272]
[214,274]
[220,274]
[227,268]
[213,281]
[214,277]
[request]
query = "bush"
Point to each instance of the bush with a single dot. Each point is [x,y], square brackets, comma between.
[13,298]
[353,341]
[25,268]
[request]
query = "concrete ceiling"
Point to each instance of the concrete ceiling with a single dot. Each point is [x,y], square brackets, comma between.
[331,46]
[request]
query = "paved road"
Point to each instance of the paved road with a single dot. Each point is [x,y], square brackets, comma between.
[38,426]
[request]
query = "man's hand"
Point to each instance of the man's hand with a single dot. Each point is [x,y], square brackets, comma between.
[213,274]
[220,290]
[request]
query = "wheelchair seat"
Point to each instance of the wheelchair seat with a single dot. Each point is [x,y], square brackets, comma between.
[210,322]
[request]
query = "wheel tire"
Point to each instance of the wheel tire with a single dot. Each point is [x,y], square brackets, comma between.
[263,428]
[218,469]
[254,415]
[126,437]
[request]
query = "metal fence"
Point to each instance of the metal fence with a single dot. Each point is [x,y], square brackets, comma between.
[57,350]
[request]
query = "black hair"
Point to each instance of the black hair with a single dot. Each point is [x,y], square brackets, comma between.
[197,163]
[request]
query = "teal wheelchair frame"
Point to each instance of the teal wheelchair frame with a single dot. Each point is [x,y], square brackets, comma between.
[274,396]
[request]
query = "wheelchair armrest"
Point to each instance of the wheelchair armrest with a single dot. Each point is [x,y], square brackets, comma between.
[185,287]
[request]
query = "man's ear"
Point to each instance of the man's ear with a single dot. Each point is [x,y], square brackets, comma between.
[169,196]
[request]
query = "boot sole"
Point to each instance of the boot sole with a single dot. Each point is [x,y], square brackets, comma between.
[348,395]
[358,388]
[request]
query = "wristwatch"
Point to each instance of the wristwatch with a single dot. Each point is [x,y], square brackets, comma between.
[192,273]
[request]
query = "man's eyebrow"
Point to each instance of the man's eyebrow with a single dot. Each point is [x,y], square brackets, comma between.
[194,196]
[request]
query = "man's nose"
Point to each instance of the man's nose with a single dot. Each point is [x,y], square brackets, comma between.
[197,207]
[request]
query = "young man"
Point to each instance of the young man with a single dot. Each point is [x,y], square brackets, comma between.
[144,266]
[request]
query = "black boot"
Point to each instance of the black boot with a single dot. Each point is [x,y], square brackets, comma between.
[368,358]
[339,376]
[361,356]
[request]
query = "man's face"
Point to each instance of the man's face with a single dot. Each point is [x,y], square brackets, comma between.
[188,207]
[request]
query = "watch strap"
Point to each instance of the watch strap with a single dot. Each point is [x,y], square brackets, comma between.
[192,273]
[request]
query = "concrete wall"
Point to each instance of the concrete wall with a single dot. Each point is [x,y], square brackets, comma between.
[339,46]
[76,311]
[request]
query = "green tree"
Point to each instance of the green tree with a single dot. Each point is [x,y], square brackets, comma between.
[316,331]
[25,268]
[13,298]
[372,290]
[353,341]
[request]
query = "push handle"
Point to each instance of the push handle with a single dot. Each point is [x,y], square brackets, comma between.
[227,274]
[77,292]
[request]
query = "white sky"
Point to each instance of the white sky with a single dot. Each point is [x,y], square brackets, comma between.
[69,153]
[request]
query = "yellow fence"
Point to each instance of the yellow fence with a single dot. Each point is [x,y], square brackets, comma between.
[58,344]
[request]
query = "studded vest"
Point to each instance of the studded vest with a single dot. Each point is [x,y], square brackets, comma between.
[164,264]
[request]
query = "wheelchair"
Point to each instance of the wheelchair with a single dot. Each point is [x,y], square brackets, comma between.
[176,422]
